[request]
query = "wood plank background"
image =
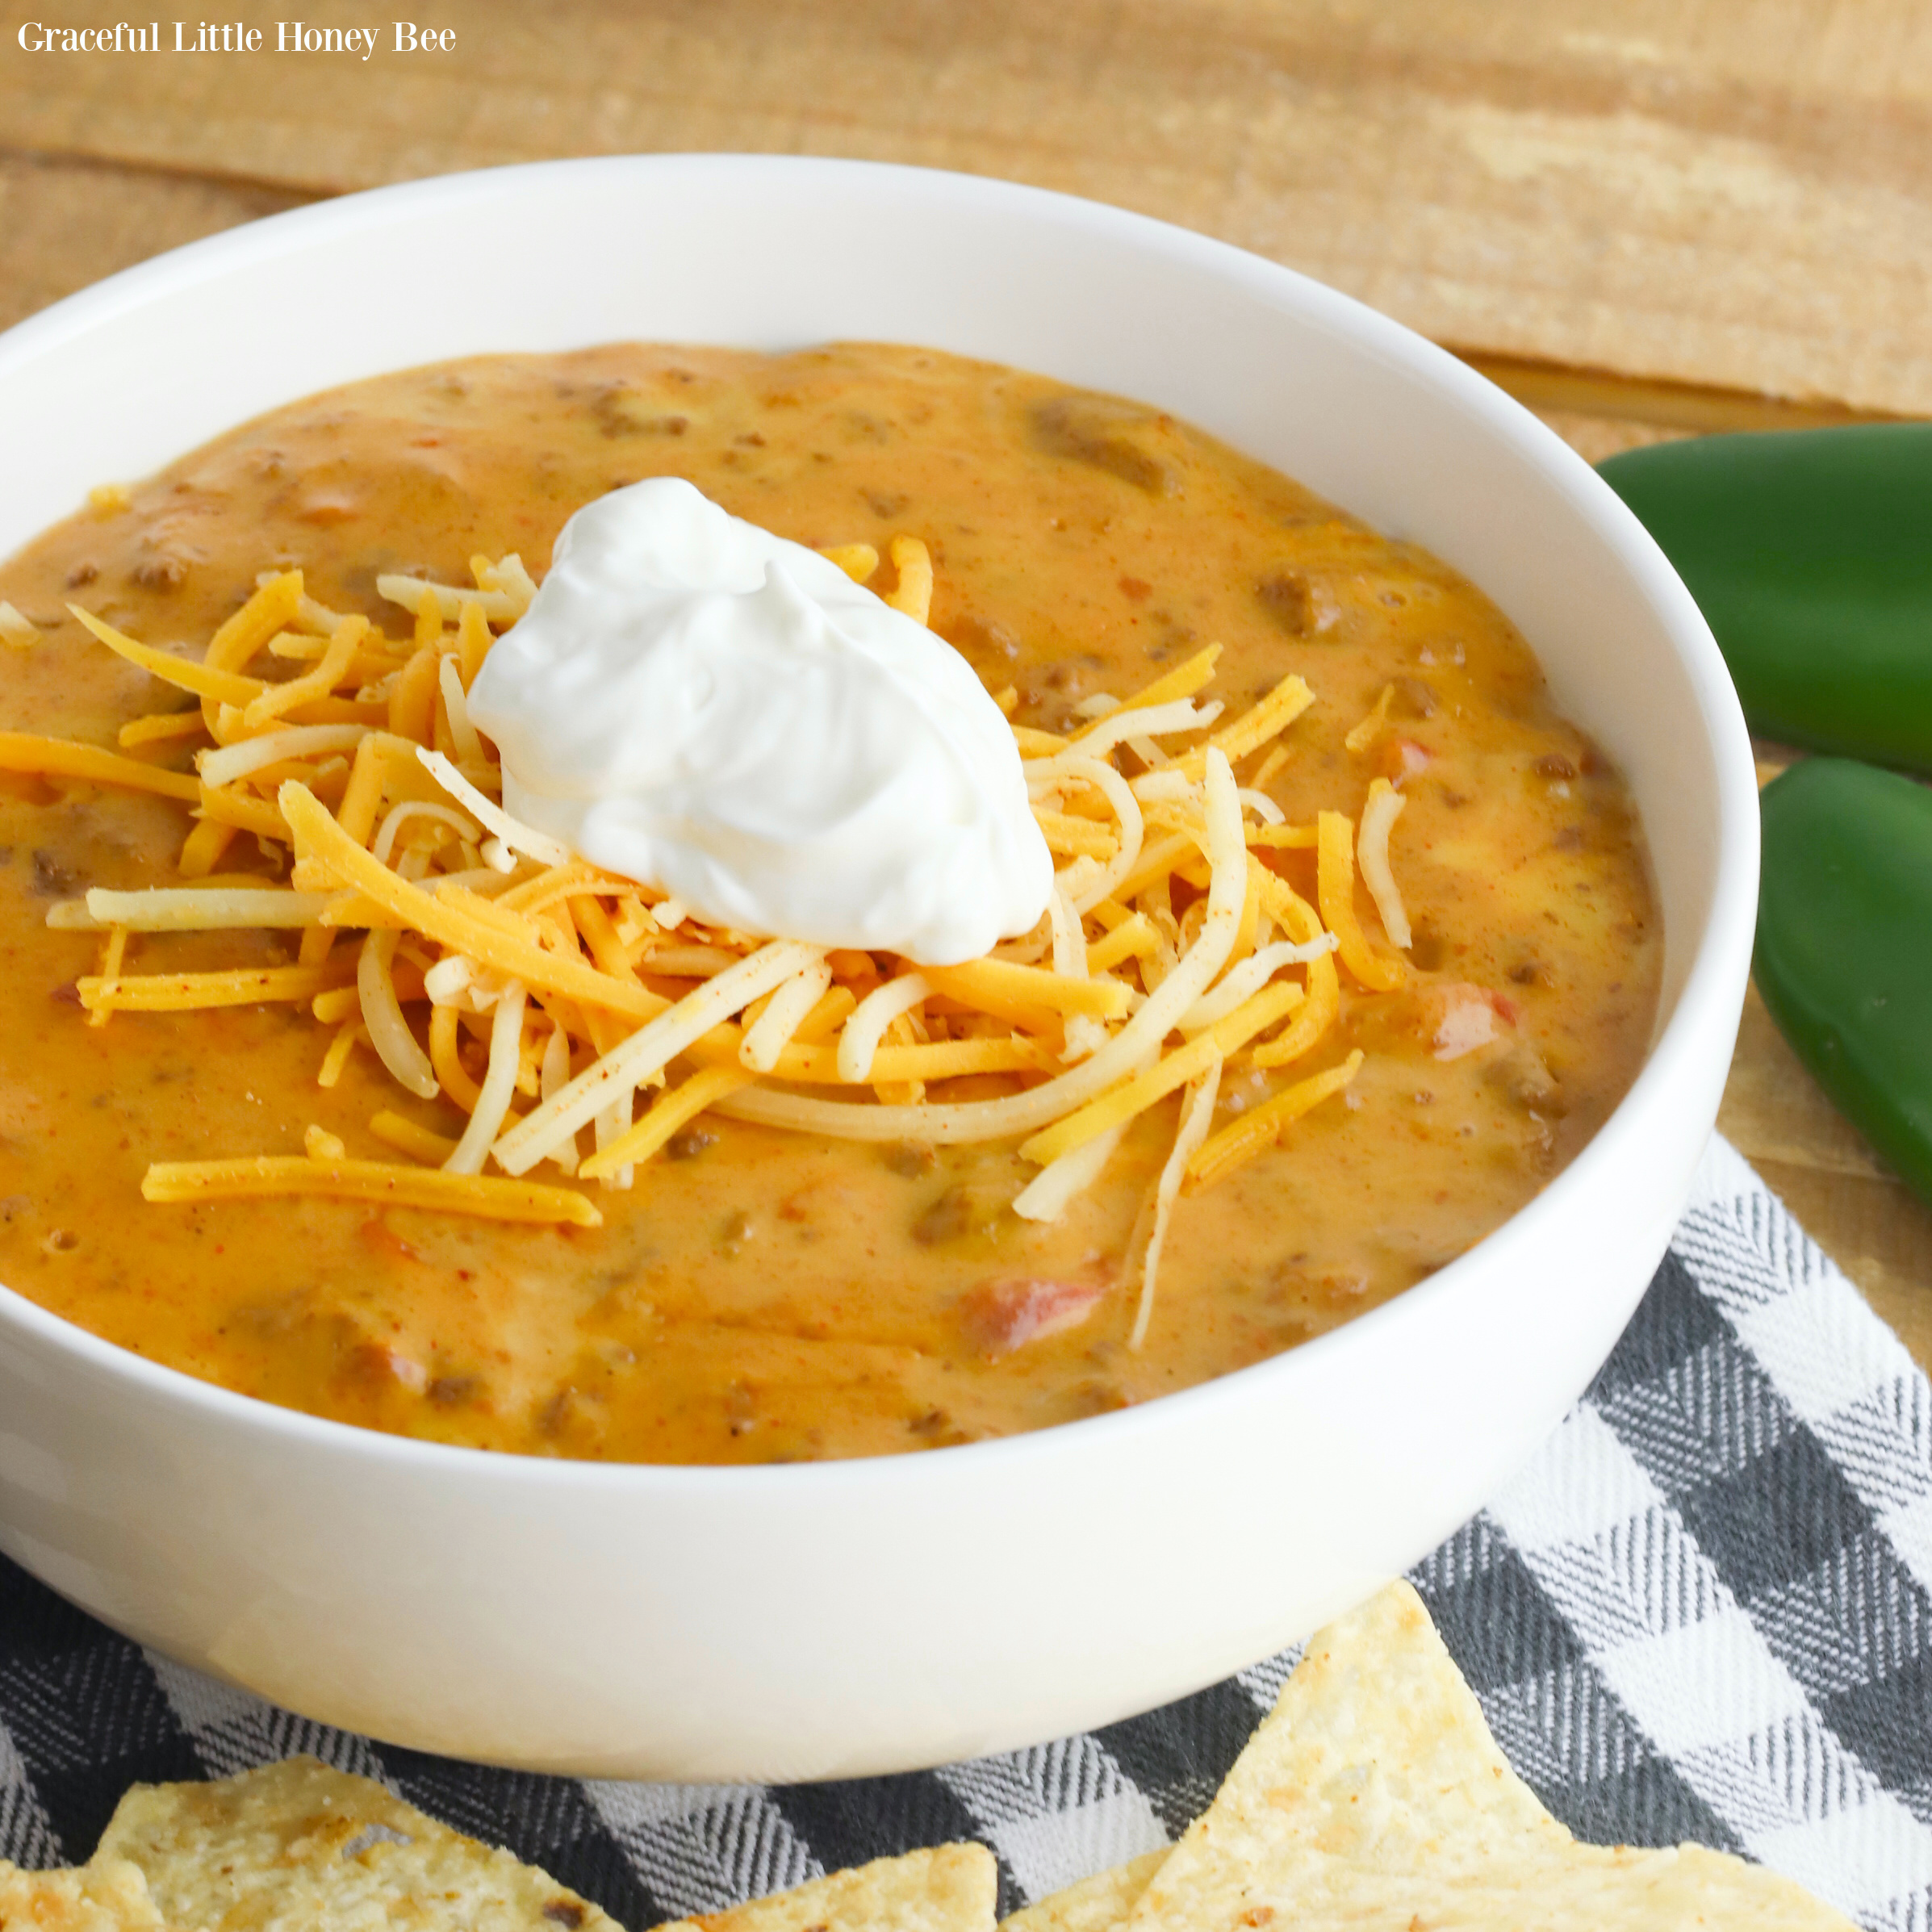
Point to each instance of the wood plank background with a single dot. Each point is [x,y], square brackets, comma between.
[1644,218]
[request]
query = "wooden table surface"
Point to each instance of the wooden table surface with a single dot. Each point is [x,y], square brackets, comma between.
[1644,218]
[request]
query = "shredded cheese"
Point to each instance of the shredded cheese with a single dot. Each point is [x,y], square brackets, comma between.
[859,1041]
[1153,787]
[1070,939]
[1197,1117]
[185,992]
[1222,1038]
[1133,937]
[1267,719]
[205,679]
[349,1035]
[1285,838]
[1364,734]
[277,600]
[1126,810]
[787,1010]
[588,988]
[454,923]
[857,560]
[519,836]
[456,709]
[1277,756]
[1081,837]
[1047,1196]
[190,908]
[473,641]
[1243,981]
[398,816]
[113,952]
[1378,816]
[277,701]
[493,1100]
[1261,1126]
[419,1142]
[1183,681]
[1336,893]
[673,1109]
[967,1121]
[61,757]
[417,596]
[913,594]
[1318,1013]
[225,765]
[395,1046]
[491,1198]
[620,1072]
[1149,720]
[1004,986]
[158,727]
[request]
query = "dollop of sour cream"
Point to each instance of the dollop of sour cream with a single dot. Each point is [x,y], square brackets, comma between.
[696,704]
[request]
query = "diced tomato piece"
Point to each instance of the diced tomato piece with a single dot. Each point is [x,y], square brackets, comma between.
[1001,1316]
[1459,1018]
[1404,757]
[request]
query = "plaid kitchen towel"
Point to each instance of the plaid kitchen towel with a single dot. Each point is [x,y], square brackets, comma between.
[1704,1611]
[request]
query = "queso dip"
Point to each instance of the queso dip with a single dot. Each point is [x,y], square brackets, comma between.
[759,1294]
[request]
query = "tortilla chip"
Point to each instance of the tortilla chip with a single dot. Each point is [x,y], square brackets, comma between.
[1095,1904]
[108,1896]
[950,1888]
[1374,1796]
[297,1846]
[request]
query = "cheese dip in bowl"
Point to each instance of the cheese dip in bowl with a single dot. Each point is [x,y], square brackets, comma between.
[743,1078]
[787,1621]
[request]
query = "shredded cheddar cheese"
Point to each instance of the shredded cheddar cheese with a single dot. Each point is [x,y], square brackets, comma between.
[1366,733]
[1335,893]
[914,593]
[377,1181]
[1176,1070]
[60,757]
[489,962]
[857,560]
[1220,1155]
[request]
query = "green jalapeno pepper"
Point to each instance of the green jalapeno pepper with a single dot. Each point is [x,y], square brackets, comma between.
[1809,553]
[1844,934]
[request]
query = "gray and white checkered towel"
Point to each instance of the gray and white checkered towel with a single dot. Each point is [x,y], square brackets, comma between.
[1704,1611]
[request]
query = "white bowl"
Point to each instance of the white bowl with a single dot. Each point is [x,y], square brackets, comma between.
[855,1617]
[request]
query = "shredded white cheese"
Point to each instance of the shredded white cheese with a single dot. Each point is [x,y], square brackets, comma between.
[499,1082]
[231,762]
[1378,816]
[1196,1119]
[858,1039]
[770,1033]
[517,836]
[647,1052]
